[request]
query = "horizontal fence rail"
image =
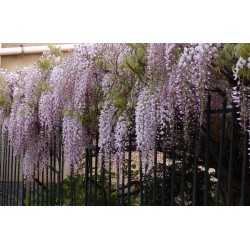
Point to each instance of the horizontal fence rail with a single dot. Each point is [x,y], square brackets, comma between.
[174,177]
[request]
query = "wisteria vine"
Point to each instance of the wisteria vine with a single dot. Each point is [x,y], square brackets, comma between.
[158,90]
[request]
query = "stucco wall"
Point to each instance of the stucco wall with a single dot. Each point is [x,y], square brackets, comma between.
[11,61]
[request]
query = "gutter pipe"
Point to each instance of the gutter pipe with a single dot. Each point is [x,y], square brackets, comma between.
[33,49]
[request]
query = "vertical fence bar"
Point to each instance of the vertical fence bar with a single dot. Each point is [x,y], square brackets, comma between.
[118,184]
[8,172]
[102,181]
[145,185]
[71,185]
[33,189]
[62,191]
[29,204]
[15,180]
[206,188]
[129,166]
[18,178]
[123,179]
[222,136]
[16,187]
[47,185]
[23,191]
[96,170]
[3,171]
[172,177]
[86,178]
[244,170]
[231,157]
[6,175]
[183,175]
[1,176]
[109,183]
[11,177]
[38,181]
[196,153]
[74,188]
[51,177]
[59,174]
[154,180]
[141,180]
[43,187]
[90,177]
[164,177]
[12,190]
[54,172]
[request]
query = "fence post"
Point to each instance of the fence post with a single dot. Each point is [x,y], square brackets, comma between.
[164,177]
[146,185]
[183,174]
[51,177]
[54,172]
[172,177]
[109,182]
[206,188]
[3,153]
[141,180]
[43,187]
[229,198]
[11,176]
[117,184]
[15,172]
[244,170]
[155,171]
[86,178]
[90,176]
[72,186]
[59,174]
[221,154]
[47,185]
[129,166]
[8,172]
[23,192]
[62,192]
[96,168]
[123,184]
[102,181]
[18,178]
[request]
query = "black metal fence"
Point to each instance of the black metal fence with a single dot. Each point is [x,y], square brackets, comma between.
[212,172]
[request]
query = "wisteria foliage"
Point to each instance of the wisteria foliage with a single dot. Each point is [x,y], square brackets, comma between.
[156,90]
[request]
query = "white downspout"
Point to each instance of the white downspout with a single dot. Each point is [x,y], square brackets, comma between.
[33,49]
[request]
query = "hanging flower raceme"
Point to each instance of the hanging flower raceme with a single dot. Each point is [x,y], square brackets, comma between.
[31,161]
[156,67]
[106,130]
[122,135]
[147,121]
[46,114]
[188,70]
[75,139]
[241,93]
